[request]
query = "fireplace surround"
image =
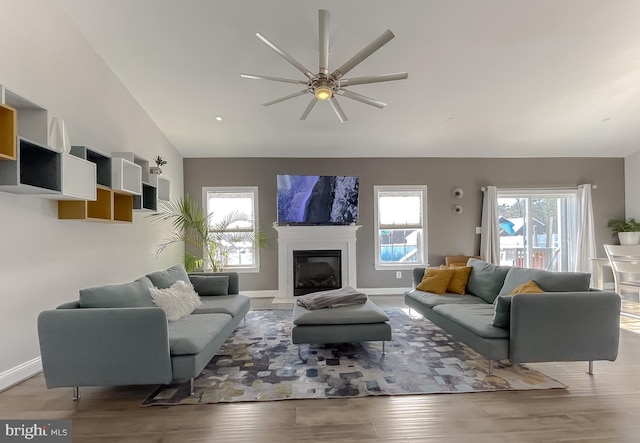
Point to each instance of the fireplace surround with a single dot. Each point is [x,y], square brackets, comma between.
[314,238]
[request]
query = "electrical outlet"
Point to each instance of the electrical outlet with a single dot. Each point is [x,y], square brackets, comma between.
[398,274]
[478,230]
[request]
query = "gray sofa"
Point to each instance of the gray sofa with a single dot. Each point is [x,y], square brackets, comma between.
[568,322]
[115,335]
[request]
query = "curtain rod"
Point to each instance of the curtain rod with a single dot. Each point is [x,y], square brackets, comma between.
[484,188]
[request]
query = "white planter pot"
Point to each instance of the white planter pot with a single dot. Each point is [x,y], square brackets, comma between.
[629,238]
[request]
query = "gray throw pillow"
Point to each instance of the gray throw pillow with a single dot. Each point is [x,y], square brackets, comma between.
[485,279]
[207,285]
[128,295]
[165,279]
[502,312]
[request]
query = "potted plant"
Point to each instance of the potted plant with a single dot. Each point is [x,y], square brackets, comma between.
[627,230]
[211,242]
[159,161]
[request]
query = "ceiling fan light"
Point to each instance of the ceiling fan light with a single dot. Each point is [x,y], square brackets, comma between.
[323,92]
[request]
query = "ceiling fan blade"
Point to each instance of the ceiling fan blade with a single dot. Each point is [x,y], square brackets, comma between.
[308,109]
[323,36]
[286,97]
[338,110]
[373,79]
[361,98]
[275,79]
[286,56]
[365,52]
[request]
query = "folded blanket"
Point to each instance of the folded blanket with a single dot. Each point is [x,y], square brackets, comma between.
[334,298]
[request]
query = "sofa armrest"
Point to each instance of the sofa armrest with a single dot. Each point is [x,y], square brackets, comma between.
[104,347]
[417,275]
[564,326]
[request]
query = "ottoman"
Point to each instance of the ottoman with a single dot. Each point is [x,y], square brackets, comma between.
[346,324]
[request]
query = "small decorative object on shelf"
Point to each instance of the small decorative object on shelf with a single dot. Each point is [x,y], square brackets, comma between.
[159,161]
[58,136]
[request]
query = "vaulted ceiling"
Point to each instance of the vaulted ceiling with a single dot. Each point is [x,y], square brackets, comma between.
[487,78]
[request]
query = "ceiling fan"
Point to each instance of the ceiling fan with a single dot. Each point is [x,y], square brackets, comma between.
[324,85]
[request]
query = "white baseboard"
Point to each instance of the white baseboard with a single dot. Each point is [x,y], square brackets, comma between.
[261,294]
[21,372]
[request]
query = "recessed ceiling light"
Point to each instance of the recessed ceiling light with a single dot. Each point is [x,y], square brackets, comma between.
[218,118]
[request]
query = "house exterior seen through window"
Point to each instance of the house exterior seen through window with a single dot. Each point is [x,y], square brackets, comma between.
[400,220]
[233,215]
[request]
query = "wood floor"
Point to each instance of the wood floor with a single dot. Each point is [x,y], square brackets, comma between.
[604,407]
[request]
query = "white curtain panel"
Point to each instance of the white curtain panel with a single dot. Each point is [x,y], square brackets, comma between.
[586,239]
[490,237]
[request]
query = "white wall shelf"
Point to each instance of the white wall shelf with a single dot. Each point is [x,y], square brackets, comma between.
[126,176]
[163,185]
[78,178]
[102,162]
[36,170]
[32,120]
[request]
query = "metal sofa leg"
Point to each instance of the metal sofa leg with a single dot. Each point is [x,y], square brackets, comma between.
[490,367]
[304,360]
[590,371]
[76,393]
[192,390]
[383,351]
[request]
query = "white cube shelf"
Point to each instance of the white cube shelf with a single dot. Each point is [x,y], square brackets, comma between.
[33,120]
[163,185]
[126,176]
[36,170]
[78,178]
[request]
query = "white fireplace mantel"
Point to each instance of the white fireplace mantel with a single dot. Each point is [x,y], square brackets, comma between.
[305,238]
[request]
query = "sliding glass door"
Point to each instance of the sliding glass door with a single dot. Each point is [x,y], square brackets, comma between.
[538,228]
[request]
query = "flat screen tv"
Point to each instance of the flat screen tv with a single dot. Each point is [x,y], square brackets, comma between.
[317,199]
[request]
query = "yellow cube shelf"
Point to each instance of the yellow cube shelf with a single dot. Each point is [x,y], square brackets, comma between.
[8,132]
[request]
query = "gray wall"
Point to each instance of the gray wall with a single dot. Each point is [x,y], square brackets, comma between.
[448,233]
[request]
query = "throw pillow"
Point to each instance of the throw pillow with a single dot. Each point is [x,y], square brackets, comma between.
[177,301]
[166,278]
[502,312]
[485,279]
[206,285]
[502,304]
[458,282]
[529,287]
[436,280]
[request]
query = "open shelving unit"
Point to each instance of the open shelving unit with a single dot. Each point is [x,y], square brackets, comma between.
[36,170]
[8,132]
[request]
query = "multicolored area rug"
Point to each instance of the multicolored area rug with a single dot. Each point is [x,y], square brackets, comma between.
[259,363]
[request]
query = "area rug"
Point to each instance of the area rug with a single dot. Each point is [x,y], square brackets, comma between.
[259,363]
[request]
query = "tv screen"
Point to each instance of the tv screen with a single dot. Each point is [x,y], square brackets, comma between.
[317,199]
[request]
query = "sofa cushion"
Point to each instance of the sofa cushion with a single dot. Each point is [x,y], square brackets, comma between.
[176,301]
[475,318]
[164,279]
[436,280]
[430,300]
[363,313]
[191,334]
[226,304]
[548,281]
[128,295]
[458,283]
[486,279]
[208,285]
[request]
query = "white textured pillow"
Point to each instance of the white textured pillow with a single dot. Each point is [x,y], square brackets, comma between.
[178,300]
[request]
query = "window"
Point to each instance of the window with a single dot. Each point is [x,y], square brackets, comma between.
[233,221]
[538,228]
[400,219]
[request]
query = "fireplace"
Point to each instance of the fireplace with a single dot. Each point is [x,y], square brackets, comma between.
[316,270]
[314,238]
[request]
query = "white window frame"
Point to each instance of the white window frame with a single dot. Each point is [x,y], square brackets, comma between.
[422,242]
[255,267]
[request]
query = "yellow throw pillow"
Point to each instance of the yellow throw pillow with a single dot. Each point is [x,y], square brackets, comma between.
[435,280]
[529,287]
[458,282]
